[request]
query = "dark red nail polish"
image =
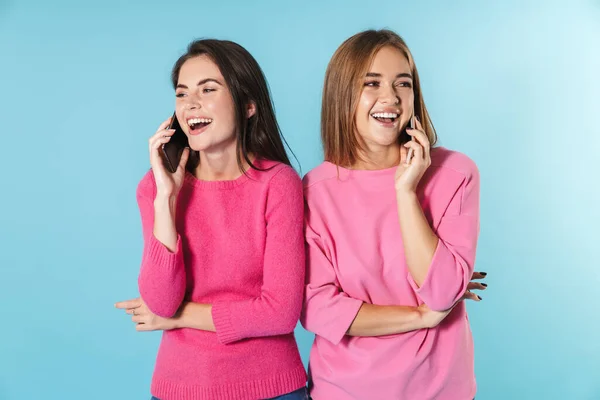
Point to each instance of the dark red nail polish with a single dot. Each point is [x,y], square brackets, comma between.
[484,284]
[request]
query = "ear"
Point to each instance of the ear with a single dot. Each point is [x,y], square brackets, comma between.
[251,109]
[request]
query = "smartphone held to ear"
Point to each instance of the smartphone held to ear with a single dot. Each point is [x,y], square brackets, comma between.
[174,148]
[411,124]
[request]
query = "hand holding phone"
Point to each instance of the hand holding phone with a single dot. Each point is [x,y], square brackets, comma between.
[173,149]
[417,158]
[411,123]
[167,183]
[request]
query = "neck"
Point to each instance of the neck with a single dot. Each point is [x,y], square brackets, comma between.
[380,157]
[220,165]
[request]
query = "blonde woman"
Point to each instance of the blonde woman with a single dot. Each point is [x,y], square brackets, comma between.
[391,230]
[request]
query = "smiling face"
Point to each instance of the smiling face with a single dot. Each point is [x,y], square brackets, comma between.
[386,102]
[204,106]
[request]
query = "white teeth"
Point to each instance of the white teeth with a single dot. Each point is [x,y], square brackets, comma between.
[199,121]
[384,115]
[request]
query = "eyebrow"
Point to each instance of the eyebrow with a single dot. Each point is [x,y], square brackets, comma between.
[202,82]
[378,75]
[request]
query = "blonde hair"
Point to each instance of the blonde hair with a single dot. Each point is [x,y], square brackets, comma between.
[342,88]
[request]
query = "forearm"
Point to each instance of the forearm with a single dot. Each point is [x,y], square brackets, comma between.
[162,279]
[195,316]
[164,221]
[374,320]
[419,240]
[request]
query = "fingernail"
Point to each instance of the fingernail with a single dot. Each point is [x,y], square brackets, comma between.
[483,273]
[484,284]
[479,297]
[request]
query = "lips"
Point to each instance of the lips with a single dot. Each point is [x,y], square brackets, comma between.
[385,117]
[198,125]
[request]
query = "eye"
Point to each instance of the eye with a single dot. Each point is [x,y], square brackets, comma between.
[405,84]
[208,90]
[179,94]
[372,83]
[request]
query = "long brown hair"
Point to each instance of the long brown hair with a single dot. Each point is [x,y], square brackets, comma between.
[260,134]
[341,92]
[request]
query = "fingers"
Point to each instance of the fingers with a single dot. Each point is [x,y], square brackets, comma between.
[138,318]
[129,304]
[155,143]
[417,123]
[417,149]
[418,133]
[479,275]
[476,286]
[471,296]
[184,158]
[421,138]
[139,313]
[409,156]
[160,138]
[418,128]
[143,328]
[165,124]
[403,155]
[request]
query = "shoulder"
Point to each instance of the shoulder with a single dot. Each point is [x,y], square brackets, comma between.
[146,188]
[447,161]
[281,187]
[320,175]
[277,174]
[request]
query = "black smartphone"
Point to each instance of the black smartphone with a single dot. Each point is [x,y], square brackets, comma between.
[174,148]
[410,124]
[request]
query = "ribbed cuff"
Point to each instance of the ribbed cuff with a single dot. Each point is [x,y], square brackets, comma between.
[226,332]
[158,254]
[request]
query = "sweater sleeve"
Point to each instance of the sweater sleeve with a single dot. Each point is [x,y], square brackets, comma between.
[162,279]
[454,258]
[328,311]
[277,309]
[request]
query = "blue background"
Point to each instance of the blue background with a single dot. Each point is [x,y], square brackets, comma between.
[83,85]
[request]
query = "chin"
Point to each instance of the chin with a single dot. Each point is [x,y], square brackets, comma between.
[197,144]
[385,140]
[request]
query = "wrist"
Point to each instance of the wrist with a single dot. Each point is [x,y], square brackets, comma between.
[165,195]
[422,320]
[165,200]
[405,193]
[178,321]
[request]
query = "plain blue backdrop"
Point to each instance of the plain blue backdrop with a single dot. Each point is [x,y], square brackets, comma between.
[83,85]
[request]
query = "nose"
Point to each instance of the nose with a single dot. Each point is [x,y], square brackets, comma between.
[192,102]
[389,95]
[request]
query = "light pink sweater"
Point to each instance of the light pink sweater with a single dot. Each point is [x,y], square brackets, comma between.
[355,254]
[240,248]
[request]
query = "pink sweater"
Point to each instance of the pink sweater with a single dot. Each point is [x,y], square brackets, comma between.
[240,248]
[355,255]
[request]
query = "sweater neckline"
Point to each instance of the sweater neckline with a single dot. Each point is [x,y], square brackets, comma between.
[251,173]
